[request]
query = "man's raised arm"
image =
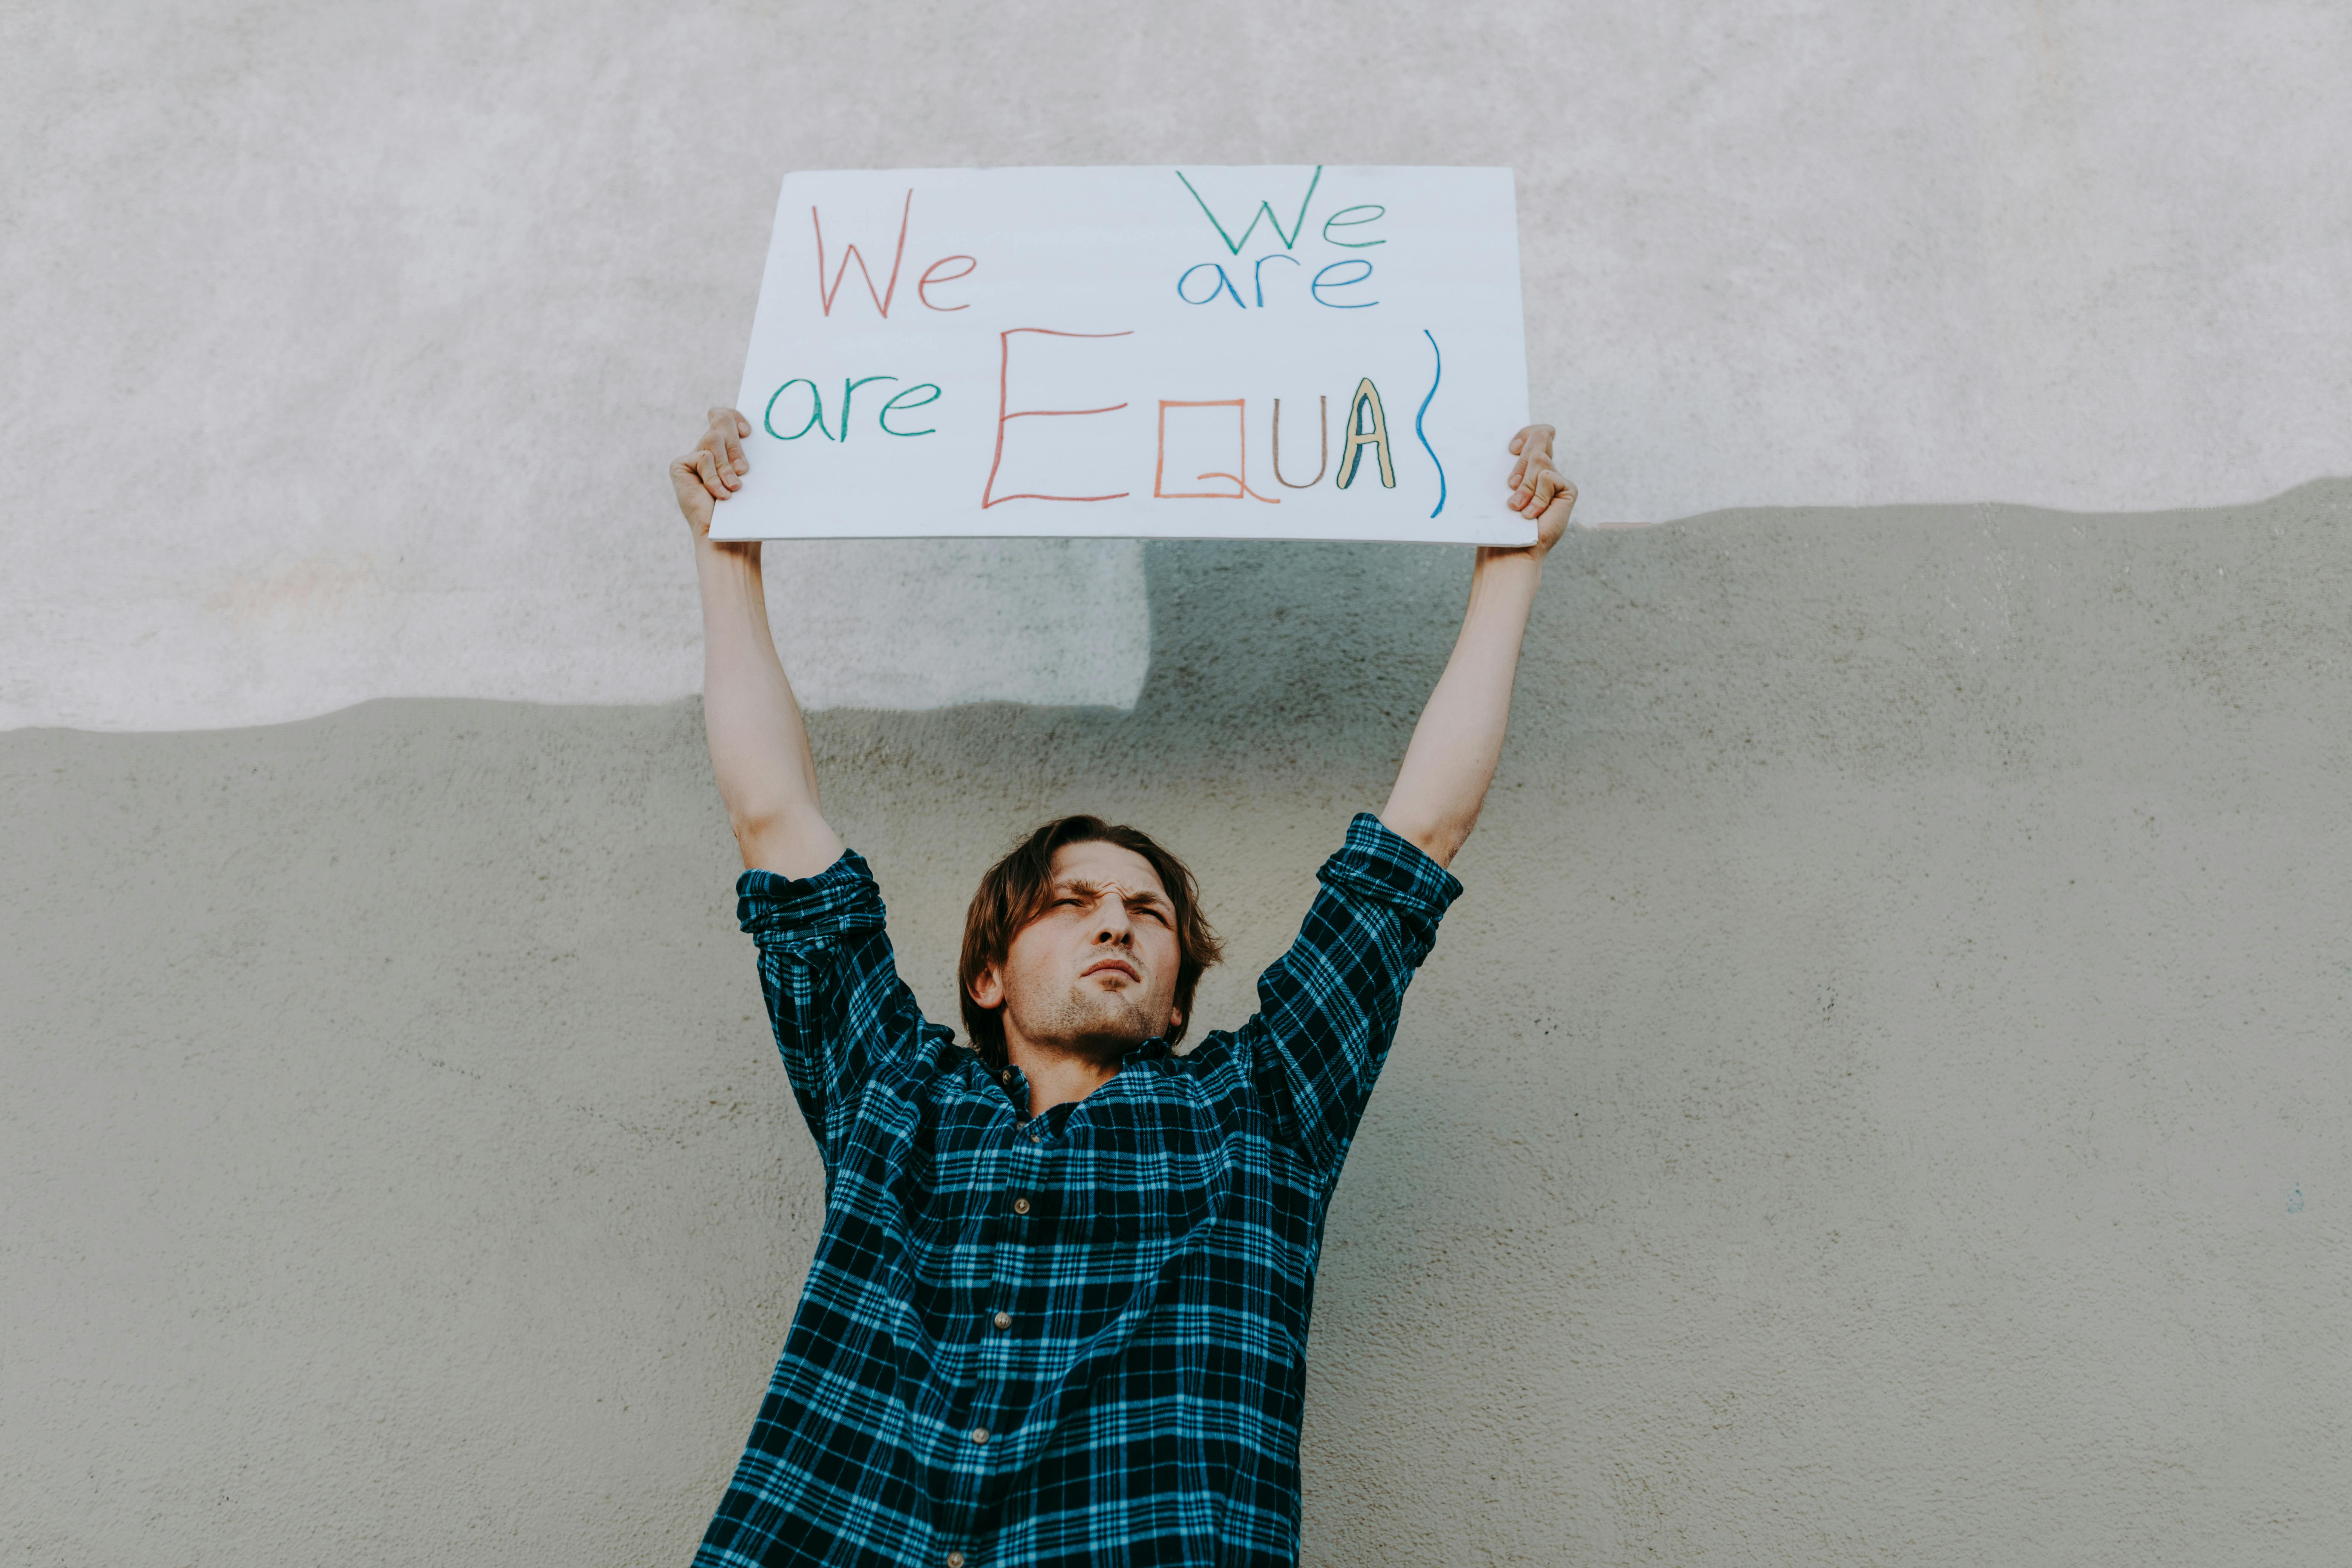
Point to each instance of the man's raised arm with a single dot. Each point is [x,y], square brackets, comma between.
[759,747]
[1446,769]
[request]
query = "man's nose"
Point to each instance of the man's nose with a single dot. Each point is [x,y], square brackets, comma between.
[1114,926]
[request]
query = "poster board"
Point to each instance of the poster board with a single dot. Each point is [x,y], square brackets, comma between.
[1195,352]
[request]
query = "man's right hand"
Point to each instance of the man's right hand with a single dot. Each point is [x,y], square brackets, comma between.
[713,470]
[759,746]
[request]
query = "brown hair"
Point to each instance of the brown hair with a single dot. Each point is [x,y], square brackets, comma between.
[1015,891]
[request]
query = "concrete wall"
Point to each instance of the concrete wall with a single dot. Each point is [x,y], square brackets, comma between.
[1881,1099]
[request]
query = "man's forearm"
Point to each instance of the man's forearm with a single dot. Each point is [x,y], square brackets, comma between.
[759,746]
[1446,769]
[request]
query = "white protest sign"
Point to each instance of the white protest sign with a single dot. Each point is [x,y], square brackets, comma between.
[1194,352]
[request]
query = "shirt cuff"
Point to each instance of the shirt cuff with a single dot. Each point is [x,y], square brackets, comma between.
[841,898]
[1382,863]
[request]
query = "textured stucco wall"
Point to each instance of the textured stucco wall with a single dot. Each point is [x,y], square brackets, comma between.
[347,341]
[1881,1099]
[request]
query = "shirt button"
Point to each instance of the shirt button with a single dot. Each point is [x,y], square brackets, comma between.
[1021,1206]
[1006,1075]
[1003,1319]
[979,1434]
[955,1559]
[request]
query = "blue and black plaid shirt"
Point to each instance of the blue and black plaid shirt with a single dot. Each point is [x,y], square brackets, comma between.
[1079,1338]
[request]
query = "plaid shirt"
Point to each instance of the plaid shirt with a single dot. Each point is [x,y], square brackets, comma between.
[1079,1338]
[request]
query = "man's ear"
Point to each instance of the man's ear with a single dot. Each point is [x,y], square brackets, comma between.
[1175,1019]
[988,987]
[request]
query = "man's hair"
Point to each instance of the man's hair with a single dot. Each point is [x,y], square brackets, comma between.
[1016,890]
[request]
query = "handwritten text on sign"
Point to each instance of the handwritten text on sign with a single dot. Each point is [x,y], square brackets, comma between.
[1185,352]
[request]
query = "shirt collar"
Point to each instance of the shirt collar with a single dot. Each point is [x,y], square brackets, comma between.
[1016,1083]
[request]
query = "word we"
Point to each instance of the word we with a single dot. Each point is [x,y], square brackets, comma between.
[884,295]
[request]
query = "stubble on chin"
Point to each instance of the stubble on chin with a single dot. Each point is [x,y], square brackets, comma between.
[1107,1024]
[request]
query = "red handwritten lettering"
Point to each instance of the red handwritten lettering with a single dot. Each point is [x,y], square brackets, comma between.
[881,299]
[929,278]
[1241,481]
[988,496]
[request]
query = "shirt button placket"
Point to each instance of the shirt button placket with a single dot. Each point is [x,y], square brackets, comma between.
[1011,1260]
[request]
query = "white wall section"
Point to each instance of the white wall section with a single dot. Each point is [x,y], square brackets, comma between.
[347,343]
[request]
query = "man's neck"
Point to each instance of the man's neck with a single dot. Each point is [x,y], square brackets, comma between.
[1057,1076]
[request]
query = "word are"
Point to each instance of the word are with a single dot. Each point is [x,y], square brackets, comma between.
[1323,279]
[849,385]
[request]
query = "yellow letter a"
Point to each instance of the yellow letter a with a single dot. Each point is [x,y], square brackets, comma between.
[1368,397]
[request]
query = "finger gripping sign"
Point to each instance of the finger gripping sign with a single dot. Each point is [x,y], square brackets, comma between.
[1194,352]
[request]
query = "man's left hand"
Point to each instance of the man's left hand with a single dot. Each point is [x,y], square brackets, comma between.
[1538,489]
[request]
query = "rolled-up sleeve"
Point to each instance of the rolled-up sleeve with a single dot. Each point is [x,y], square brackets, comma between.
[830,980]
[1328,1007]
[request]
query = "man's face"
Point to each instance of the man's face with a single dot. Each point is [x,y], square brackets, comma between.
[1096,972]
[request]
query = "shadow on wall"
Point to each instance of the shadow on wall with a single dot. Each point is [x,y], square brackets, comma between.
[1899,987]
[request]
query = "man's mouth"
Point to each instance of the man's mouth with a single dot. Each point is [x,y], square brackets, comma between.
[1112,965]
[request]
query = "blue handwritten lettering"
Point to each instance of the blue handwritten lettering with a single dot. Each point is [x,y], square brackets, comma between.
[1435,375]
[1257,273]
[1225,286]
[1319,285]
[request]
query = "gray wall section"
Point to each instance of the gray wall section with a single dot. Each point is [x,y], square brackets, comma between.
[1881,1099]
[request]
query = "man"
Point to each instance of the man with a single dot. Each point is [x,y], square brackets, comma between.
[1058,1313]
